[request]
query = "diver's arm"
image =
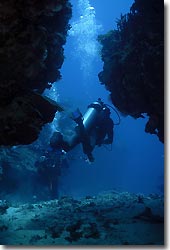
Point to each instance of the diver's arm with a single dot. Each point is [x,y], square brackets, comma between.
[110,133]
[109,139]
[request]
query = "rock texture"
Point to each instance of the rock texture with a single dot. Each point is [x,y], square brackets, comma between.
[25,176]
[111,218]
[32,34]
[133,57]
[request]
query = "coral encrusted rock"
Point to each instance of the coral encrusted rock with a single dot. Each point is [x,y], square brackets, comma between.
[133,71]
[32,35]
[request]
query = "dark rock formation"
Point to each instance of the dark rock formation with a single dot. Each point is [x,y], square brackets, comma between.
[32,34]
[133,71]
[26,174]
[17,174]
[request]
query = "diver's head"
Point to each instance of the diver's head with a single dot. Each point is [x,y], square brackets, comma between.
[56,139]
[100,101]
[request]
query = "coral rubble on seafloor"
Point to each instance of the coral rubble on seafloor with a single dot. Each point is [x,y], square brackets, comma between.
[111,218]
[32,35]
[133,71]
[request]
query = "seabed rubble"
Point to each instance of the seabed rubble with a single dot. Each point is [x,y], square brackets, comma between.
[110,218]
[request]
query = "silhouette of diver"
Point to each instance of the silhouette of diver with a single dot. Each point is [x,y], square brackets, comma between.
[50,165]
[94,128]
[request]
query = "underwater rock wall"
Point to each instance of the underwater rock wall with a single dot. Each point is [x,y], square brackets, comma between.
[133,70]
[111,218]
[26,174]
[32,35]
[17,173]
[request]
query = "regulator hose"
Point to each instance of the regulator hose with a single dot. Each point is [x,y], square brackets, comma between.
[116,113]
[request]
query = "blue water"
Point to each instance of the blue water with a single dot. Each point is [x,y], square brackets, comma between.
[136,162]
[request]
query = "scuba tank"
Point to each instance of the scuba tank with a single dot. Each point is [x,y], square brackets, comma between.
[85,122]
[91,116]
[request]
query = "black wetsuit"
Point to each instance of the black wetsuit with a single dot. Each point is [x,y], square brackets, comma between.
[102,133]
[104,128]
[50,169]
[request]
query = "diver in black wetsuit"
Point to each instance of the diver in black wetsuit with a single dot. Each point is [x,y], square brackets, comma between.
[101,133]
[94,128]
[50,165]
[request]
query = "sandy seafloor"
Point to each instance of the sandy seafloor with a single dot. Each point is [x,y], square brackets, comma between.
[109,219]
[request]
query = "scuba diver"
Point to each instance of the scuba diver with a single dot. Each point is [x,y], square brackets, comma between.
[50,165]
[94,128]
